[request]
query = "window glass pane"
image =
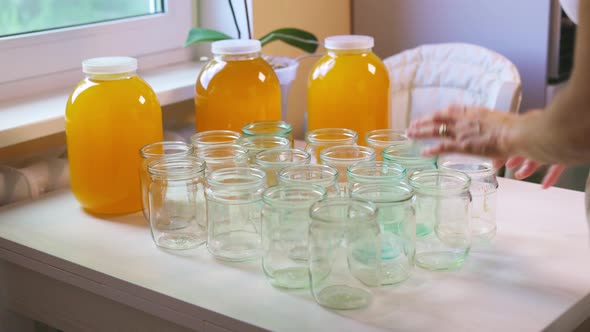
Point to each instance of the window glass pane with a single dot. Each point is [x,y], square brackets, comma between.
[25,16]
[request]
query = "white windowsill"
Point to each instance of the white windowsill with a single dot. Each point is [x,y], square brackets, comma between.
[34,117]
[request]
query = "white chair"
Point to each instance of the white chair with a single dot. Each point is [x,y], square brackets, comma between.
[431,77]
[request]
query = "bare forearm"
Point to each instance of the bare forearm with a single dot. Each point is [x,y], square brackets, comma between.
[561,133]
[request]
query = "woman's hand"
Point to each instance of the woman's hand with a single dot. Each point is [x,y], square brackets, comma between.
[472,130]
[479,131]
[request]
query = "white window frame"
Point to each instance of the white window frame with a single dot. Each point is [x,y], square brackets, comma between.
[38,62]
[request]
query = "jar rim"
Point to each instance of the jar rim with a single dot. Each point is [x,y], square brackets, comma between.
[211,137]
[404,191]
[472,167]
[258,142]
[385,136]
[261,128]
[429,181]
[290,195]
[296,156]
[233,151]
[180,148]
[330,154]
[326,135]
[316,169]
[405,151]
[236,177]
[354,170]
[351,204]
[179,168]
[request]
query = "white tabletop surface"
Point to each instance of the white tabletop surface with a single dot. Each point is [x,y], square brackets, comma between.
[535,275]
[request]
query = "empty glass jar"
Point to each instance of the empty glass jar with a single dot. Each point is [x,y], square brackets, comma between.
[321,175]
[317,140]
[408,154]
[176,221]
[442,203]
[255,144]
[484,190]
[234,204]
[214,137]
[374,172]
[223,156]
[379,139]
[272,161]
[344,252]
[285,227]
[342,156]
[395,215]
[155,151]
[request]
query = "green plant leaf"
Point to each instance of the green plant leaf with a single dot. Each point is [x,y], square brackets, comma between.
[199,35]
[301,39]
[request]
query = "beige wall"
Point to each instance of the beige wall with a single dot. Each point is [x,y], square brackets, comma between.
[321,17]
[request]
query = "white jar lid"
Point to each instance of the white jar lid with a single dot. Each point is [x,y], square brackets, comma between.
[349,42]
[109,65]
[236,46]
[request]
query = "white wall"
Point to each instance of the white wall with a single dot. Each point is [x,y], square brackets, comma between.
[517,29]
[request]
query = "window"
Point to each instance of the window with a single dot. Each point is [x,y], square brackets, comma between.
[20,17]
[43,42]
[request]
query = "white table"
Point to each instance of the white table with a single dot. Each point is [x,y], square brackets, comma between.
[77,272]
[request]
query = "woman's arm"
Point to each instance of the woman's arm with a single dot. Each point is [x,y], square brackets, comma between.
[561,133]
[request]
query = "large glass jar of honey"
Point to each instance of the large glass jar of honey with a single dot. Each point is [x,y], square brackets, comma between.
[348,87]
[109,116]
[236,87]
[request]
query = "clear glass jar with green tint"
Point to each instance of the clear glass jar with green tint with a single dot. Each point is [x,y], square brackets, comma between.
[442,204]
[319,139]
[157,151]
[484,192]
[374,172]
[255,144]
[395,215]
[342,156]
[344,252]
[210,138]
[234,204]
[285,228]
[379,139]
[223,156]
[272,161]
[268,128]
[408,154]
[176,220]
[321,175]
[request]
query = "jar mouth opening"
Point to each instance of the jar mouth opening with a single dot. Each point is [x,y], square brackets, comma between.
[472,169]
[176,168]
[215,137]
[347,153]
[294,195]
[264,142]
[309,173]
[383,192]
[166,149]
[406,152]
[236,177]
[267,128]
[440,181]
[331,135]
[376,170]
[342,210]
[385,136]
[274,157]
[221,153]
